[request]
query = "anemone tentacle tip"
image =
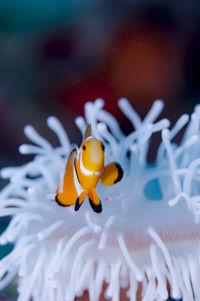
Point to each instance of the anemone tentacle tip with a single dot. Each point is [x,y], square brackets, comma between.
[51,119]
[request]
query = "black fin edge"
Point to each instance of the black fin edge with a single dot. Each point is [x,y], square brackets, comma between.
[59,203]
[120,173]
[96,208]
[77,205]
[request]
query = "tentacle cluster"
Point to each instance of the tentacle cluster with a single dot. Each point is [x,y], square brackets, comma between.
[59,253]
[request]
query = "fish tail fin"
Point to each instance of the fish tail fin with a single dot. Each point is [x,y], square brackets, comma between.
[94,200]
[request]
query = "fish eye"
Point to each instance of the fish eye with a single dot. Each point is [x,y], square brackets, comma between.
[84,147]
[103,147]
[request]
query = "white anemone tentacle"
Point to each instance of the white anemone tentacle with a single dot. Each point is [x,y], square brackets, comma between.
[58,253]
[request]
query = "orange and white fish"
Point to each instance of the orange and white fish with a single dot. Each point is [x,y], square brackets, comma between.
[84,169]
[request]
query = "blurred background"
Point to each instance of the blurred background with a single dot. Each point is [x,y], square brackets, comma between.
[57,54]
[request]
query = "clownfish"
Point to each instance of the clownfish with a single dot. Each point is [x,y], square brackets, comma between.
[84,169]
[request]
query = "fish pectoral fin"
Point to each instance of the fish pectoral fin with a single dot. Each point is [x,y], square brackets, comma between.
[94,200]
[112,174]
[80,200]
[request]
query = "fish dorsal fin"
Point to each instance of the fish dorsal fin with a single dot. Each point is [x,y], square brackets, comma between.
[88,131]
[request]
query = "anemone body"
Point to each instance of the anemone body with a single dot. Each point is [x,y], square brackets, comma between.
[147,233]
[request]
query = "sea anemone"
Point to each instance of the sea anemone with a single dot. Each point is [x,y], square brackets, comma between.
[147,234]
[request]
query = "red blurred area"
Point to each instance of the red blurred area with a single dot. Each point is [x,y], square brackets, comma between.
[75,96]
[146,65]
